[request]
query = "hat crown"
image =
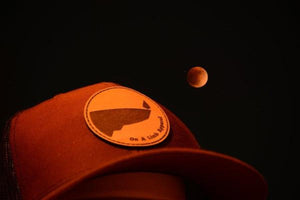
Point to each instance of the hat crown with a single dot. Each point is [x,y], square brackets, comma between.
[51,142]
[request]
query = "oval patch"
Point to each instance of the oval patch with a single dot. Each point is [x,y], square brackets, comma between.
[126,117]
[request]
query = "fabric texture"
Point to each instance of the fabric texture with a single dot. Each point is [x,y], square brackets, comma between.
[8,184]
[52,149]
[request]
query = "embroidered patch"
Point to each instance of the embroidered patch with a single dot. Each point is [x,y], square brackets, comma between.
[126,117]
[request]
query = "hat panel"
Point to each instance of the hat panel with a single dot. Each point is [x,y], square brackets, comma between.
[51,142]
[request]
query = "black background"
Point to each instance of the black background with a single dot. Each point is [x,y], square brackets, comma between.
[246,110]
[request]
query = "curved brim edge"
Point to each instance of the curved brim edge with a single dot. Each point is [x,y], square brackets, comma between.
[220,175]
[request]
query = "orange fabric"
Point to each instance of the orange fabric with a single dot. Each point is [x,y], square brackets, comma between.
[138,185]
[53,149]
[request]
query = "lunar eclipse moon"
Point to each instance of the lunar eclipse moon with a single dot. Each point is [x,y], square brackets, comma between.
[197,77]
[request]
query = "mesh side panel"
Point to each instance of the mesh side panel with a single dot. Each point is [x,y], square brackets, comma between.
[8,183]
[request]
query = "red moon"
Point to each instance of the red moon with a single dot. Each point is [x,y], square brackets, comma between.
[197,77]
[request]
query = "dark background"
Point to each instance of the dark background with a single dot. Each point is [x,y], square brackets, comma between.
[246,110]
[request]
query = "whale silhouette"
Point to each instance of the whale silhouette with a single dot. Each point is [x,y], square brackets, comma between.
[108,121]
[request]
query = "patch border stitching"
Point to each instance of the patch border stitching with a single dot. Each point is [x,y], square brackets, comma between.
[95,131]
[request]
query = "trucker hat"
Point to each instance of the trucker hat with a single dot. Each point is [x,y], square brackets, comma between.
[107,128]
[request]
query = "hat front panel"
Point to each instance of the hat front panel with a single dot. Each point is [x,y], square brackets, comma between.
[52,143]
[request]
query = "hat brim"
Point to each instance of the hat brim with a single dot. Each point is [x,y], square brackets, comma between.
[220,176]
